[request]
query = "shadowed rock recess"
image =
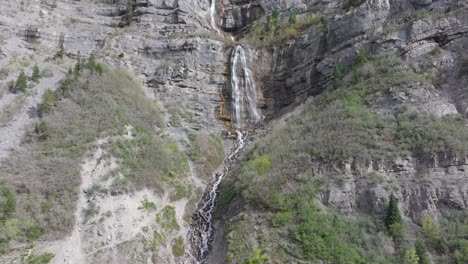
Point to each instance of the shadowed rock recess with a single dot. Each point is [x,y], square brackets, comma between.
[234,131]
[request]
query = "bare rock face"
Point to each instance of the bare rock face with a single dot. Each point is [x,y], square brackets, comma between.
[423,186]
[305,66]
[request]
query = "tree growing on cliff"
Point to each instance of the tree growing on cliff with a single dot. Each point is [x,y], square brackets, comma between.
[393,220]
[130,11]
[78,65]
[36,75]
[421,251]
[21,83]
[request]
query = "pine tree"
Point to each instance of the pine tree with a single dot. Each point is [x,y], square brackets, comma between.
[61,51]
[130,11]
[91,63]
[393,213]
[394,221]
[36,75]
[78,64]
[421,251]
[21,82]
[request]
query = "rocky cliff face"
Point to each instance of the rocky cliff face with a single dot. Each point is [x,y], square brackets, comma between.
[184,65]
[431,36]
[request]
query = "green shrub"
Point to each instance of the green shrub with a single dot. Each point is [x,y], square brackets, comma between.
[7,203]
[260,166]
[21,83]
[8,231]
[256,257]
[281,218]
[315,19]
[158,240]
[410,257]
[338,73]
[431,231]
[42,130]
[178,246]
[36,75]
[99,69]
[32,231]
[91,63]
[41,259]
[181,191]
[147,205]
[167,218]
[49,101]
[276,32]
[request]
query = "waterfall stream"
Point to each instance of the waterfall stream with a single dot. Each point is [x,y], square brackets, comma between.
[207,205]
[244,90]
[245,112]
[213,15]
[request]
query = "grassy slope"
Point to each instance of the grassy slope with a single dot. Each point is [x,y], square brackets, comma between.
[44,174]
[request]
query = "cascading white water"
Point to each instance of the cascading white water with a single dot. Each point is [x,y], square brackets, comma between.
[213,15]
[244,90]
[245,112]
[205,211]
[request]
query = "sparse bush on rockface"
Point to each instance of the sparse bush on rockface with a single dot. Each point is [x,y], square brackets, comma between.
[276,31]
[36,74]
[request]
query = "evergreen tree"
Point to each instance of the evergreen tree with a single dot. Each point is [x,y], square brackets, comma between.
[91,65]
[61,51]
[78,64]
[36,75]
[21,82]
[394,221]
[421,251]
[130,11]
[393,213]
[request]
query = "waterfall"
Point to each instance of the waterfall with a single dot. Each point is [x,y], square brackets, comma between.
[244,91]
[213,15]
[204,214]
[245,113]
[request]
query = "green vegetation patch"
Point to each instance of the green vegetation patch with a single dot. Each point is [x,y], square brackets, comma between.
[276,31]
[167,219]
[178,246]
[207,152]
[40,259]
[88,105]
